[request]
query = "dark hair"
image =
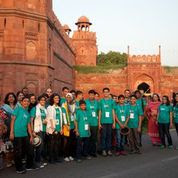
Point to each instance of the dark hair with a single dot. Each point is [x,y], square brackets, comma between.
[114,96]
[18,93]
[91,92]
[30,95]
[51,100]
[72,91]
[7,96]
[106,89]
[82,102]
[133,96]
[127,90]
[157,96]
[25,97]
[96,93]
[121,96]
[78,92]
[167,98]
[45,95]
[65,88]
[174,99]
[41,96]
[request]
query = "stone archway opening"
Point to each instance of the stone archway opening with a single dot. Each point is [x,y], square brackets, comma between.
[144,87]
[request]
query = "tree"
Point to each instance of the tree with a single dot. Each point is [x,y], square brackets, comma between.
[112,57]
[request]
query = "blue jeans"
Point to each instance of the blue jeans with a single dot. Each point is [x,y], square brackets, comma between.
[106,136]
[119,141]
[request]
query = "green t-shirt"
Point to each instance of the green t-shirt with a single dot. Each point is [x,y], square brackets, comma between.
[175,113]
[164,113]
[43,116]
[106,107]
[140,103]
[92,109]
[22,119]
[134,112]
[82,119]
[63,100]
[122,114]
[77,106]
[58,120]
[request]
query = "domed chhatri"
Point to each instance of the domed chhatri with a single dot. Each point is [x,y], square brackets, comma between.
[83,23]
[67,29]
[83,19]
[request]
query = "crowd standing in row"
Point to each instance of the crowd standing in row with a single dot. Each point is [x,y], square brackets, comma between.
[37,131]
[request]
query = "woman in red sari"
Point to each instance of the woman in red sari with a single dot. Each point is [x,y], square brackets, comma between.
[151,113]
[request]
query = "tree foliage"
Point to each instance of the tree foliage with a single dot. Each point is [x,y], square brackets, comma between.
[112,57]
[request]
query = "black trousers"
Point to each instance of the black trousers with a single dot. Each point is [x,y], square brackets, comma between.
[72,143]
[164,130]
[176,126]
[22,145]
[82,147]
[54,145]
[93,139]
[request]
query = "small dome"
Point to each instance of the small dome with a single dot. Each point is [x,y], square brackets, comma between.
[83,19]
[66,28]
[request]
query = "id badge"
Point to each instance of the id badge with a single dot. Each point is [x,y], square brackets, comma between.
[131,115]
[123,118]
[86,127]
[107,114]
[65,119]
[57,122]
[72,117]
[93,114]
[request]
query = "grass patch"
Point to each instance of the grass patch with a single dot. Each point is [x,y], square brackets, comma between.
[169,69]
[100,68]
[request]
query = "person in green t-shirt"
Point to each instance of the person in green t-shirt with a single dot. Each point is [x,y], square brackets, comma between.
[175,112]
[140,102]
[82,129]
[134,124]
[38,119]
[106,121]
[68,109]
[65,90]
[121,116]
[93,110]
[20,129]
[54,127]
[165,121]
[79,97]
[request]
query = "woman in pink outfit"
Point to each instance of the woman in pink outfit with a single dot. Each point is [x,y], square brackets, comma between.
[151,113]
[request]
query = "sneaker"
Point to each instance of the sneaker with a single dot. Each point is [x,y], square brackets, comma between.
[40,165]
[123,153]
[109,153]
[79,160]
[170,147]
[34,167]
[66,159]
[104,153]
[23,171]
[162,146]
[23,161]
[89,157]
[9,165]
[71,158]
[118,153]
[137,152]
[45,163]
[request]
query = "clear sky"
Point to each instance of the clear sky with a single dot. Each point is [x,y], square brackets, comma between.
[141,24]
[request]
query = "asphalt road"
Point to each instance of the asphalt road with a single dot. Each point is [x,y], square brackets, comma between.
[152,163]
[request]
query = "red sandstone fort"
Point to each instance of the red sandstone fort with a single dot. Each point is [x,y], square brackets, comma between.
[36,51]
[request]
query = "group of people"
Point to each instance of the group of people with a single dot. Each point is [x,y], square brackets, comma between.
[53,129]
